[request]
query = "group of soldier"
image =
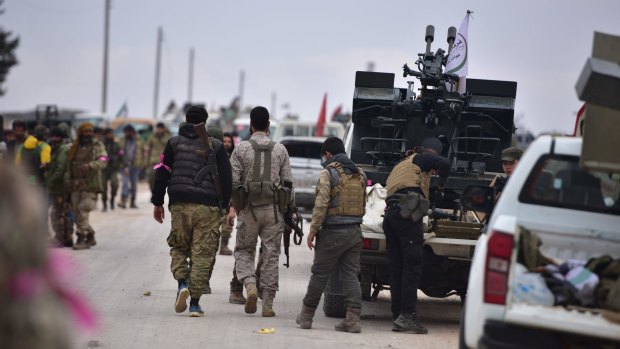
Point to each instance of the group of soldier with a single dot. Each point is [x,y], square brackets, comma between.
[253,186]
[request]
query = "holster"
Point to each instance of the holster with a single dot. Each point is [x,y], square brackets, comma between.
[240,198]
[413,206]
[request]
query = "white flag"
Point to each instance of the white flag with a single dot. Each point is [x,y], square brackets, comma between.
[457,60]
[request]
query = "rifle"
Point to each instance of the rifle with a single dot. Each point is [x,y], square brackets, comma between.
[201,131]
[291,225]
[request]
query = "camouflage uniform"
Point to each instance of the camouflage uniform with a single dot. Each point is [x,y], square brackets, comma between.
[61,224]
[259,220]
[110,173]
[156,145]
[84,185]
[194,233]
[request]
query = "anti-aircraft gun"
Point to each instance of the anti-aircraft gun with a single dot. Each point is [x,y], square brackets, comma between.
[472,127]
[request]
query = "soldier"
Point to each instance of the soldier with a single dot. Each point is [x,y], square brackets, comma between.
[262,182]
[110,173]
[19,137]
[225,228]
[408,187]
[132,148]
[86,158]
[62,226]
[155,144]
[338,210]
[510,159]
[195,207]
[35,155]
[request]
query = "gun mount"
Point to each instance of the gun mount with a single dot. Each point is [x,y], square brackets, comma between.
[473,127]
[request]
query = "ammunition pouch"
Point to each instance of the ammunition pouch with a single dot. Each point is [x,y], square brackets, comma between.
[240,198]
[412,206]
[283,198]
[261,193]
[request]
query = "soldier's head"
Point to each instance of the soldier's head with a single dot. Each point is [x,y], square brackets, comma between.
[196,115]
[19,130]
[129,131]
[331,147]
[229,142]
[86,132]
[510,159]
[40,132]
[259,119]
[160,128]
[108,134]
[56,135]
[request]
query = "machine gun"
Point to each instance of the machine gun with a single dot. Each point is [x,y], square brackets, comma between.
[295,225]
[472,127]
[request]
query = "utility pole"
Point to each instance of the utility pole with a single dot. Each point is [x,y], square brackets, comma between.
[273,104]
[241,83]
[106,41]
[190,87]
[160,38]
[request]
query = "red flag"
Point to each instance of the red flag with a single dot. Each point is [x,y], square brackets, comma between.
[322,115]
[579,121]
[336,112]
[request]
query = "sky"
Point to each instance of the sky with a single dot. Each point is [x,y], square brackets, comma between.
[296,50]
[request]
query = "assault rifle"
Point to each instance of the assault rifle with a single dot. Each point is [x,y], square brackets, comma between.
[201,131]
[290,226]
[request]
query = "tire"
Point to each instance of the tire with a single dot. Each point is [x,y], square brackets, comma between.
[333,305]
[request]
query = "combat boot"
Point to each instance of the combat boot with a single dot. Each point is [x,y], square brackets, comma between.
[133,202]
[352,321]
[90,240]
[408,323]
[304,319]
[105,206]
[236,293]
[224,250]
[182,294]
[252,292]
[123,203]
[268,296]
[80,244]
[112,203]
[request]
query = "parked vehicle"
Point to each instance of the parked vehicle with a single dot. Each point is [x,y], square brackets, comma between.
[300,128]
[576,215]
[242,129]
[305,157]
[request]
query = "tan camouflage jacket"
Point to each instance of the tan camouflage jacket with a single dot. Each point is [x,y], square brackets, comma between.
[242,162]
[321,202]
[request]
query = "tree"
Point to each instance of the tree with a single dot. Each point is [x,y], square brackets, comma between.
[7,52]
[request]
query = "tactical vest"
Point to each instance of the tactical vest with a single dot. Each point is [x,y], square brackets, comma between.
[348,197]
[190,171]
[260,189]
[408,175]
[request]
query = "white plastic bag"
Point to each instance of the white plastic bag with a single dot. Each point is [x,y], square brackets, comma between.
[530,288]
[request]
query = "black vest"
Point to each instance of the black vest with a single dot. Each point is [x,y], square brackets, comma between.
[191,175]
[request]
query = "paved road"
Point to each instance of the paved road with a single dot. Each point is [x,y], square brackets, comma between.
[132,258]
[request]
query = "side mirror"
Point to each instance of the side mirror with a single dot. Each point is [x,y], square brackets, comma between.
[478,198]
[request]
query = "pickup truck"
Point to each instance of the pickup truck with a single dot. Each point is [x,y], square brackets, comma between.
[575,214]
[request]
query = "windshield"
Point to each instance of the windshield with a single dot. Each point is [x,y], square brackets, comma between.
[309,150]
[559,181]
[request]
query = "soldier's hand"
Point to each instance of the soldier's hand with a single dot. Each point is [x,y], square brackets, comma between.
[310,240]
[158,213]
[84,168]
[230,219]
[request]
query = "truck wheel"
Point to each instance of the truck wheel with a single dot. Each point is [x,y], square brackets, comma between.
[366,282]
[333,304]
[462,344]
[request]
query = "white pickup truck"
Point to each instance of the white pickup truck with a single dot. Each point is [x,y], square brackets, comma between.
[576,216]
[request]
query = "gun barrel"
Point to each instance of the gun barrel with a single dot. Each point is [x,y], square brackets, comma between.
[451,38]
[429,37]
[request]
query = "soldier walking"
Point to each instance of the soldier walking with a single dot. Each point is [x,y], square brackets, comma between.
[55,179]
[110,173]
[338,210]
[189,171]
[34,155]
[408,185]
[262,183]
[132,147]
[86,158]
[155,144]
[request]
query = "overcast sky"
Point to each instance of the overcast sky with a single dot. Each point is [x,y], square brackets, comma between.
[299,50]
